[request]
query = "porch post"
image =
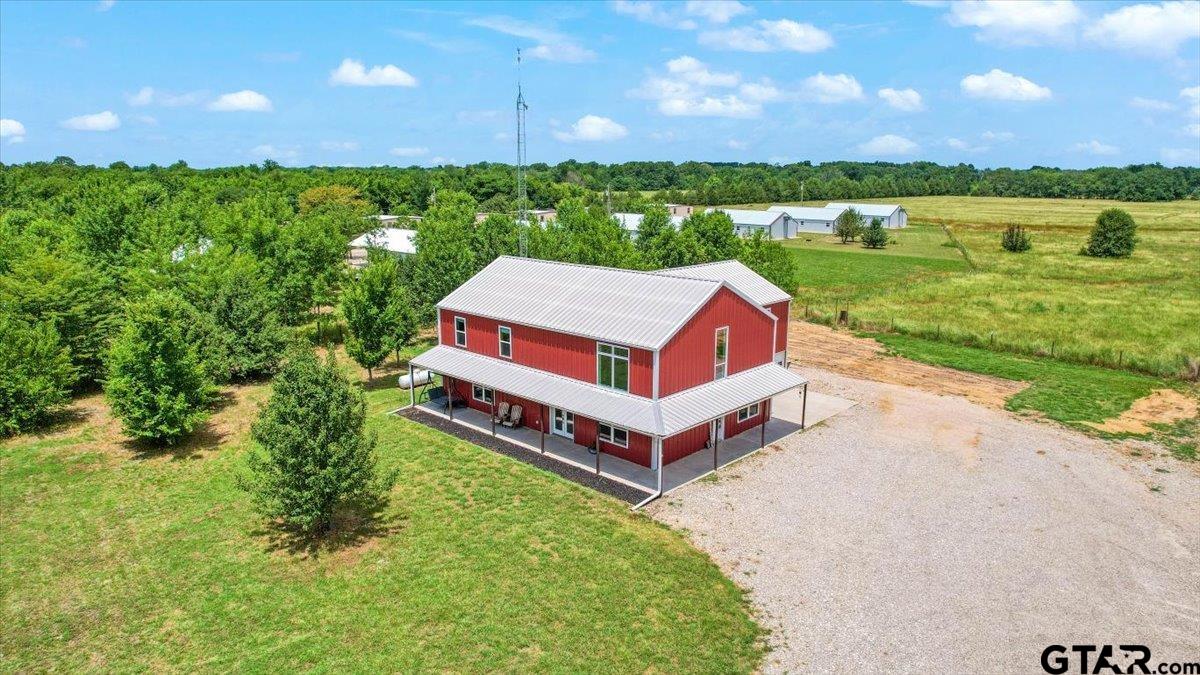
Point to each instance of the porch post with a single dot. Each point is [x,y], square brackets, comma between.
[449,396]
[493,413]
[412,387]
[597,448]
[716,442]
[542,426]
[803,403]
[658,443]
[762,429]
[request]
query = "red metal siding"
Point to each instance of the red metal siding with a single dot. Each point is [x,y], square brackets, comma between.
[638,450]
[567,355]
[685,443]
[781,310]
[687,360]
[733,427]
[531,413]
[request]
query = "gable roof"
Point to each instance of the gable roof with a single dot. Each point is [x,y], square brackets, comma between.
[626,307]
[807,212]
[750,216]
[392,239]
[749,282]
[869,210]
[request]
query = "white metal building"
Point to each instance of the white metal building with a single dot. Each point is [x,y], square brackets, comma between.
[808,218]
[630,222]
[746,221]
[394,240]
[892,215]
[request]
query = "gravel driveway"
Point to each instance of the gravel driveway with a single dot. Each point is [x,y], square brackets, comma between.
[918,532]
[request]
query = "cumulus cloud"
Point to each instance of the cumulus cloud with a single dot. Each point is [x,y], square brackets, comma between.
[762,92]
[1094,147]
[687,90]
[710,106]
[101,121]
[13,130]
[352,73]
[888,144]
[908,100]
[551,44]
[1191,97]
[409,152]
[593,128]
[1030,22]
[833,88]
[715,11]
[959,144]
[1154,30]
[783,35]
[1003,86]
[246,99]
[653,13]
[1151,104]
[988,139]
[144,96]
[693,70]
[339,146]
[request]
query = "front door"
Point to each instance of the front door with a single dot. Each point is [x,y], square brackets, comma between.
[562,422]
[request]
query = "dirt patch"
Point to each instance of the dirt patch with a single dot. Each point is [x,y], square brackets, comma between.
[1162,406]
[811,344]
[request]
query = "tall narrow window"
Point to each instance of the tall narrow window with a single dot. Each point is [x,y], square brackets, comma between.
[505,342]
[460,331]
[612,366]
[721,353]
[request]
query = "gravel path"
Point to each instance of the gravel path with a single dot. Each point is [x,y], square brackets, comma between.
[920,532]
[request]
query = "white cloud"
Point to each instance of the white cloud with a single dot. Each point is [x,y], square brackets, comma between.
[339,146]
[105,5]
[652,13]
[998,136]
[761,92]
[667,136]
[409,152]
[149,95]
[144,96]
[1094,147]
[593,128]
[908,100]
[693,70]
[552,45]
[1030,22]
[101,121]
[352,73]
[959,144]
[1155,30]
[1151,104]
[1181,156]
[13,130]
[441,161]
[1191,97]
[246,99]
[710,106]
[279,154]
[501,136]
[833,88]
[888,144]
[734,144]
[1192,130]
[988,138]
[148,120]
[715,11]
[1000,85]
[769,36]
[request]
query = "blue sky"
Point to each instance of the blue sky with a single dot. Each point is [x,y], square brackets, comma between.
[1052,83]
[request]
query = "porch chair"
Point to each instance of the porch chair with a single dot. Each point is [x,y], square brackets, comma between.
[514,419]
[501,413]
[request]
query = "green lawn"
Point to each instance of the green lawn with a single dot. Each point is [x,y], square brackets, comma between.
[120,561]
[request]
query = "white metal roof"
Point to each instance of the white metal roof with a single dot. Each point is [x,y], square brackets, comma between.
[869,210]
[750,216]
[664,417]
[392,239]
[632,221]
[749,282]
[807,212]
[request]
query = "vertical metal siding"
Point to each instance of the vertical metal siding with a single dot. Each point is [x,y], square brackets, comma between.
[684,443]
[780,309]
[687,360]
[733,427]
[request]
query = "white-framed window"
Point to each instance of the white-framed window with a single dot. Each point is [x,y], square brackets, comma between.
[460,331]
[481,394]
[721,353]
[505,334]
[748,412]
[614,435]
[612,366]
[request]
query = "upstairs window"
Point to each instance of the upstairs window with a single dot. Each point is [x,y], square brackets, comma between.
[721,353]
[505,342]
[460,331]
[614,435]
[612,366]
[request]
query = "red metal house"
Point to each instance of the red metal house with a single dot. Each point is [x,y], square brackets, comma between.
[646,366]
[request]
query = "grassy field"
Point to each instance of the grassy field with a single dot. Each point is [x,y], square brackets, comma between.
[117,558]
[1139,314]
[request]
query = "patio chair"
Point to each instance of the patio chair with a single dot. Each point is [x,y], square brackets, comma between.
[501,413]
[514,419]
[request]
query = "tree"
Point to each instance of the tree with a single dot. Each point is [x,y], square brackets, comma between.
[714,232]
[35,373]
[1113,235]
[1015,240]
[310,251]
[497,235]
[315,198]
[314,457]
[242,308]
[157,384]
[444,259]
[771,260]
[848,226]
[370,308]
[403,316]
[875,236]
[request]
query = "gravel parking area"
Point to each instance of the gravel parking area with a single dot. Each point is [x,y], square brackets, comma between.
[923,532]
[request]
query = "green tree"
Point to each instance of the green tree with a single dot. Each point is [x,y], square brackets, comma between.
[715,234]
[1113,236]
[242,308]
[444,259]
[403,316]
[314,457]
[848,226]
[497,235]
[771,260]
[309,252]
[370,307]
[157,384]
[875,236]
[326,195]
[35,373]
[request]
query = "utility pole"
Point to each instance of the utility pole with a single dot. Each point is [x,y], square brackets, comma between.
[523,223]
[801,192]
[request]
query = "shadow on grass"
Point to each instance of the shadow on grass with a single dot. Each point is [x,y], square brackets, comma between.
[208,436]
[354,528]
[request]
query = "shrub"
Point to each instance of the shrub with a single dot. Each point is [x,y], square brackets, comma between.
[1015,239]
[848,225]
[157,384]
[35,374]
[315,457]
[875,236]
[1112,236]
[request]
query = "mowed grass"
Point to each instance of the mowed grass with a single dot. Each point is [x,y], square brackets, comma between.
[115,559]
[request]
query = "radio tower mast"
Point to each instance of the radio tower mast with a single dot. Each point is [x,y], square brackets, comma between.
[523,223]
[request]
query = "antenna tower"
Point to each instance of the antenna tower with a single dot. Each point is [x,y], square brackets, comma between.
[523,223]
